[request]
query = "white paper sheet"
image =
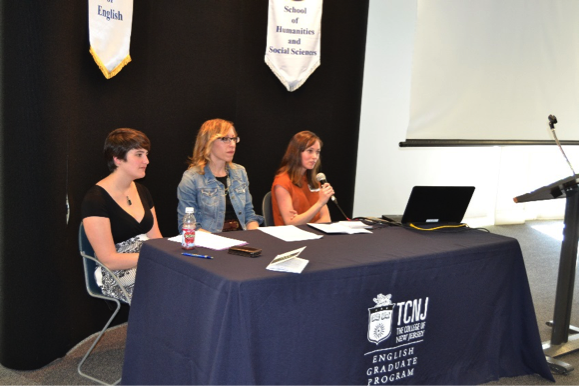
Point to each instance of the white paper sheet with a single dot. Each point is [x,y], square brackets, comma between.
[355,224]
[289,233]
[211,241]
[341,227]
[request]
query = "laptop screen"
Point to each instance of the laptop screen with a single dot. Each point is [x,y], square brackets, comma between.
[437,204]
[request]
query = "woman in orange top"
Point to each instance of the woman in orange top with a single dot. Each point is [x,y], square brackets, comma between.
[297,197]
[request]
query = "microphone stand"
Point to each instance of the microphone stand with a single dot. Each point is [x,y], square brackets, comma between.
[564,337]
[552,119]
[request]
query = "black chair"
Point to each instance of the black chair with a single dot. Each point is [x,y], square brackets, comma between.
[90,263]
[267,210]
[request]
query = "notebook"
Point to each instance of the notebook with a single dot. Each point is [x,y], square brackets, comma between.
[437,204]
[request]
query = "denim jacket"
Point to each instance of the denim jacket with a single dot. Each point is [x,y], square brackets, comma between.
[206,195]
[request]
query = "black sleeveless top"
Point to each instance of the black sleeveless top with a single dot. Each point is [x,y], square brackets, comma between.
[98,203]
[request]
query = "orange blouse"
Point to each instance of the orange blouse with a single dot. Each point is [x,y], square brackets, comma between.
[302,197]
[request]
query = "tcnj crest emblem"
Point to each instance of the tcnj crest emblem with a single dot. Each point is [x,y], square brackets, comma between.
[380,319]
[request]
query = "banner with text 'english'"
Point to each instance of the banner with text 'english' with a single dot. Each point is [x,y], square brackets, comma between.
[110,24]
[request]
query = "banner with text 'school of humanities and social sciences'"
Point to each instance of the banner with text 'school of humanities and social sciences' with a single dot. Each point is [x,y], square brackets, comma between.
[293,42]
[110,34]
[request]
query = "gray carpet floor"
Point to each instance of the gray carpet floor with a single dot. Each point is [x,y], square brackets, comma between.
[541,255]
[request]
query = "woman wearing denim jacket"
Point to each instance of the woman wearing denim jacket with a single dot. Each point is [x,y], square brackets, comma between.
[214,186]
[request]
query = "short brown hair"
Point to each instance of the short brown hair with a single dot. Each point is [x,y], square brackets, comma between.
[120,141]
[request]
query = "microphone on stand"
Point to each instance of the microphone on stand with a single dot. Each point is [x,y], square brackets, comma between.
[322,179]
[552,121]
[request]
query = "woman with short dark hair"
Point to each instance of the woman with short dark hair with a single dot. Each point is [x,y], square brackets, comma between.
[118,213]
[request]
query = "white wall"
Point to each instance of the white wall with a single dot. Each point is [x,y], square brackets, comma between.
[386,173]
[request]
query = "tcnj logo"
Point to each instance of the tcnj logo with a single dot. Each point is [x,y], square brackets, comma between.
[410,319]
[380,319]
[406,322]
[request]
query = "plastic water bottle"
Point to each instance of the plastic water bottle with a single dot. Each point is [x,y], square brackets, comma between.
[188,230]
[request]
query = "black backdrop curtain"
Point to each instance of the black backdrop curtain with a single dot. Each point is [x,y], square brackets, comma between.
[192,61]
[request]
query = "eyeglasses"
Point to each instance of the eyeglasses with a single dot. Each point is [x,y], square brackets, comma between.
[228,139]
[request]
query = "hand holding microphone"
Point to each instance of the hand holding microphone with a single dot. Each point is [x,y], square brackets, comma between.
[328,189]
[322,179]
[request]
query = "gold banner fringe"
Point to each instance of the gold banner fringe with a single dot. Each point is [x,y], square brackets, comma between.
[104,70]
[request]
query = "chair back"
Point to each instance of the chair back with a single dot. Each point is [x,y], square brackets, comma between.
[267,210]
[89,263]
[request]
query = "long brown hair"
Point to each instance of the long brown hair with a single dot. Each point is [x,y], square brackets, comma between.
[292,160]
[208,133]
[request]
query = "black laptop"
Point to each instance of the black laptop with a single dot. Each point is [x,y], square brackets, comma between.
[437,204]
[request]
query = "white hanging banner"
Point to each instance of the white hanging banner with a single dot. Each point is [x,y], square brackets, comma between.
[110,34]
[293,43]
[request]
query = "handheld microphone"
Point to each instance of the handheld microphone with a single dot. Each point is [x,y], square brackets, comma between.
[322,179]
[552,120]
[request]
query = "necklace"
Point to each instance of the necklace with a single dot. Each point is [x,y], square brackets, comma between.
[129,201]
[225,181]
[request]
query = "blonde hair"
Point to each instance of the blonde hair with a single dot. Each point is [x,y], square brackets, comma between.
[208,133]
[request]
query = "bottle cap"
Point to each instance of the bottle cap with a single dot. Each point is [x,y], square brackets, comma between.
[189,210]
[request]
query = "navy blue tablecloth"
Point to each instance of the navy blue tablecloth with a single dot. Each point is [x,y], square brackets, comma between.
[394,307]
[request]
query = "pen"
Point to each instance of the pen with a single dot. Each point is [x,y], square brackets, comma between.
[194,255]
